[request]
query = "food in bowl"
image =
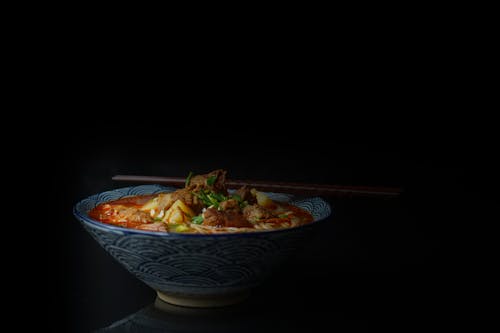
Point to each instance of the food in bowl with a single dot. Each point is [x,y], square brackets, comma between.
[199,269]
[203,206]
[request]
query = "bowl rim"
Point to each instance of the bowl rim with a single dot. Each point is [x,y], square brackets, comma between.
[84,218]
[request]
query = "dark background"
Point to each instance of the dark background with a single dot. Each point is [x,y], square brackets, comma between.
[385,261]
[403,105]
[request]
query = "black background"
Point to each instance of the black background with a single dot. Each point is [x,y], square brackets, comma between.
[392,106]
[391,262]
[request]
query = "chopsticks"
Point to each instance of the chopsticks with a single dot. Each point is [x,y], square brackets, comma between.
[284,187]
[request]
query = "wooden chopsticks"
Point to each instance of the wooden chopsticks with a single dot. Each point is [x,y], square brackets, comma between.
[284,187]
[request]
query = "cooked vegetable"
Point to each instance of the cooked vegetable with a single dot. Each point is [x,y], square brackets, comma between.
[210,198]
[263,200]
[178,227]
[178,213]
[197,219]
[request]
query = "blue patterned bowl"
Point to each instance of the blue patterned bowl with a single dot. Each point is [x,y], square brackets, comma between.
[198,269]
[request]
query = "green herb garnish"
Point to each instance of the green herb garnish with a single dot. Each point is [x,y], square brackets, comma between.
[211,180]
[210,198]
[188,179]
[197,219]
[240,201]
[236,197]
[283,216]
[217,197]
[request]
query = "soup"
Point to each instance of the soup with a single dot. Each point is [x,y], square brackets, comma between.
[204,205]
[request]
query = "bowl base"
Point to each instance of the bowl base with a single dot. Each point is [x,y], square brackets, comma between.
[204,302]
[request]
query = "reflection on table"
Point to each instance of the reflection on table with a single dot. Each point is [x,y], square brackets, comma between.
[164,317]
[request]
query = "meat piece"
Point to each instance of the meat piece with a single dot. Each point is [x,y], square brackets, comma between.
[246,195]
[191,200]
[218,177]
[236,220]
[255,212]
[230,205]
[165,200]
[121,215]
[213,217]
[219,218]
[133,214]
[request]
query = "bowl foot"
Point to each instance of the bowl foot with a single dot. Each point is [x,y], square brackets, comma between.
[203,302]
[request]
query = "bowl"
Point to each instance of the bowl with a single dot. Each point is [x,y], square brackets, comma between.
[199,270]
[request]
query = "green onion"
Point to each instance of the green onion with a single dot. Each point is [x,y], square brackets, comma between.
[197,219]
[283,216]
[210,198]
[211,180]
[236,197]
[188,179]
[217,197]
[203,197]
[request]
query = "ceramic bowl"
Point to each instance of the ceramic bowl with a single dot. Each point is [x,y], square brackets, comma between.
[198,270]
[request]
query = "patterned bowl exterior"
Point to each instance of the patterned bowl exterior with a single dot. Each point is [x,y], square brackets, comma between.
[197,264]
